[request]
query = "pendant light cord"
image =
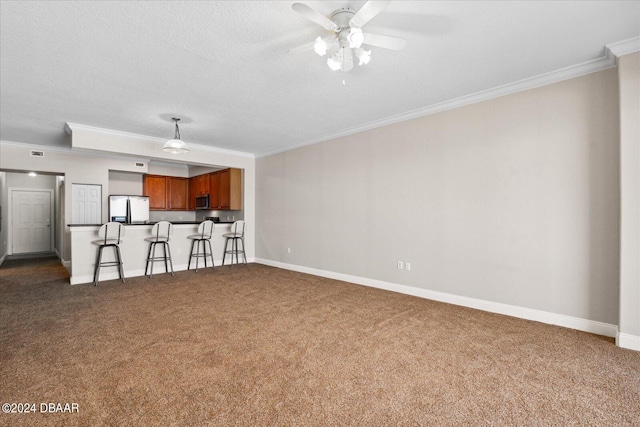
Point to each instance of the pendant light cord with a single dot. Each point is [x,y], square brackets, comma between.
[177,129]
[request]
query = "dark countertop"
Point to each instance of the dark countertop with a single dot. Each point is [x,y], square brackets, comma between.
[151,223]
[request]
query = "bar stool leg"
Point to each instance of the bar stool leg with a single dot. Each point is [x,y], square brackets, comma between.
[224,255]
[193,242]
[164,251]
[197,252]
[120,268]
[213,264]
[96,272]
[153,257]
[244,254]
[234,249]
[146,267]
[170,260]
[204,253]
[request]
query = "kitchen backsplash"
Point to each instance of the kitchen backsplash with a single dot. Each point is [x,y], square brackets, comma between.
[225,216]
[155,216]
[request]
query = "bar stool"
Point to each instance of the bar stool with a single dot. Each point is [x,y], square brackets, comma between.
[237,234]
[161,233]
[205,231]
[110,235]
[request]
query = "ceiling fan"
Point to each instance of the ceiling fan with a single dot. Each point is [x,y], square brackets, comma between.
[347,38]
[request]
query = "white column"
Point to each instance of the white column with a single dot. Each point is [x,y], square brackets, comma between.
[629,320]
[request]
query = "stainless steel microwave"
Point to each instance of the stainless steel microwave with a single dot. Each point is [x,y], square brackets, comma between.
[202,202]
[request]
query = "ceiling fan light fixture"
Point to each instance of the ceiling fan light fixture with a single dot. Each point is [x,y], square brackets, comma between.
[348,37]
[364,56]
[176,145]
[320,46]
[334,62]
[355,37]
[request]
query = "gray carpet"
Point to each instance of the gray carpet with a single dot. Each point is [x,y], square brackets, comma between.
[260,346]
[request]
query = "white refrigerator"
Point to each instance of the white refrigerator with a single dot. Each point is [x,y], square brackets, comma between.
[129,209]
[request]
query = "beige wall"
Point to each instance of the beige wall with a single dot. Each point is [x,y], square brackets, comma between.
[629,78]
[513,200]
[129,183]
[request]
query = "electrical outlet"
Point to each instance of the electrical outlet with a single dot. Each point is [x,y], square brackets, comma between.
[407,266]
[399,265]
[288,250]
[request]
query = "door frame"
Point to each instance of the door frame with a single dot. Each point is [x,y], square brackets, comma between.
[52,212]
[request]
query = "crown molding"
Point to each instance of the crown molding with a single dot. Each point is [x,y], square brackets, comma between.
[67,150]
[624,47]
[35,146]
[70,127]
[588,67]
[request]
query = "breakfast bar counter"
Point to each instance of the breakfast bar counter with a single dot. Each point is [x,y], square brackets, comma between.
[134,250]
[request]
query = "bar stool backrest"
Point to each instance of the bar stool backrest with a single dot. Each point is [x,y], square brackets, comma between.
[206,229]
[162,230]
[237,228]
[111,232]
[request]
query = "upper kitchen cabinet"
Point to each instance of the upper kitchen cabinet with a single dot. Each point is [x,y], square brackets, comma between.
[198,186]
[223,187]
[214,186]
[155,186]
[230,189]
[166,192]
[201,185]
[177,193]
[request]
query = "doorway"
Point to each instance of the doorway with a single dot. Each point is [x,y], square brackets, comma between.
[31,221]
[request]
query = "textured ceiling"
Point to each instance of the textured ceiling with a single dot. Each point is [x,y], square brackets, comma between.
[224,66]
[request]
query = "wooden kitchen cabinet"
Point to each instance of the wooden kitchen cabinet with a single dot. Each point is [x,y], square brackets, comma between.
[166,192]
[201,183]
[229,194]
[155,186]
[214,189]
[223,187]
[177,193]
[198,186]
[224,192]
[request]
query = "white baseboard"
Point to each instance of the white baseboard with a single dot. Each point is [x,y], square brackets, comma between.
[631,342]
[65,263]
[571,322]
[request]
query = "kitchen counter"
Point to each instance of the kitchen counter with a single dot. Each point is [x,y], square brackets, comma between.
[134,250]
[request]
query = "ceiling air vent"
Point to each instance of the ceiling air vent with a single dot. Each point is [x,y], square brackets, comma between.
[35,153]
[139,164]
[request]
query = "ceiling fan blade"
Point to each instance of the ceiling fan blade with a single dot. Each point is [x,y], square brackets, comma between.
[314,16]
[368,12]
[386,42]
[303,48]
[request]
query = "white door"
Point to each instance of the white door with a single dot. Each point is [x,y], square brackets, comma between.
[31,219]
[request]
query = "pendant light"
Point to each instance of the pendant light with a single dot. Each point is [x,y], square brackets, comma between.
[176,145]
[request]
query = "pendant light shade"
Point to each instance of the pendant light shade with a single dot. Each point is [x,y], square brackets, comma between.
[176,145]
